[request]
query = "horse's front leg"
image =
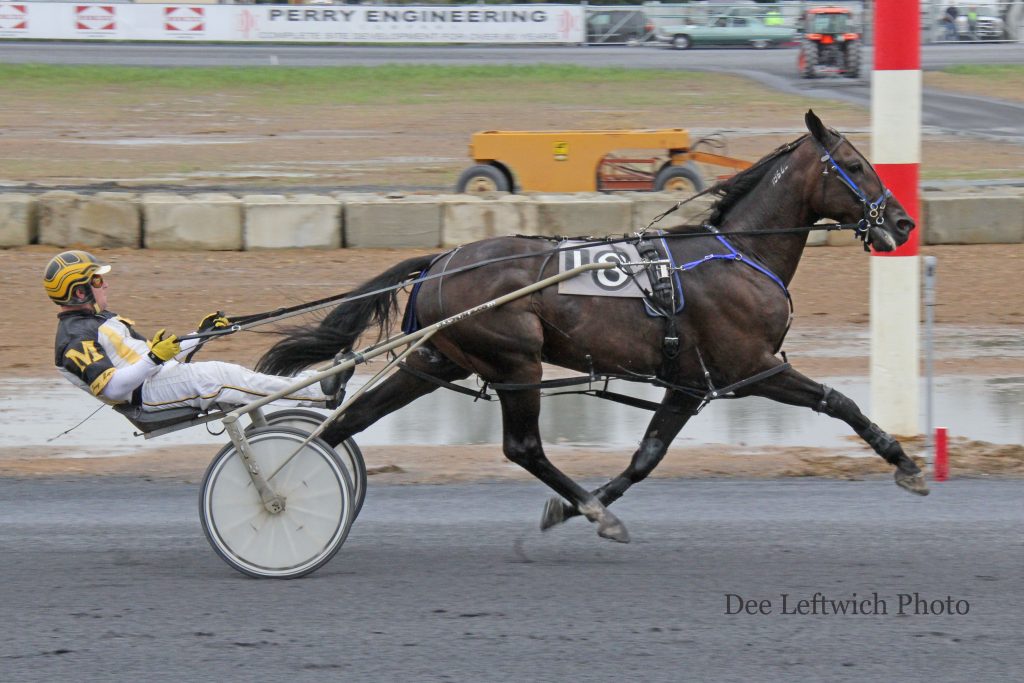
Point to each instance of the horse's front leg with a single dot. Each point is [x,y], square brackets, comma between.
[793,388]
[522,445]
[670,417]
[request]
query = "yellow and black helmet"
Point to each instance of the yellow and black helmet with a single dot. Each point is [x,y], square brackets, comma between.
[67,272]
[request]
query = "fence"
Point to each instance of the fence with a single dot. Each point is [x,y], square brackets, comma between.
[942,21]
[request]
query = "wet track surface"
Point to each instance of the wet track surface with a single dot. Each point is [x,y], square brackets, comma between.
[979,408]
[112,580]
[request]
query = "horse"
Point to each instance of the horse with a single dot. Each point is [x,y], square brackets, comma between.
[736,315]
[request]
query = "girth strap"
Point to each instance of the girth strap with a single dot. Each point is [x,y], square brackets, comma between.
[662,299]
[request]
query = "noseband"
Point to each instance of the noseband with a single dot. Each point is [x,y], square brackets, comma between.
[874,211]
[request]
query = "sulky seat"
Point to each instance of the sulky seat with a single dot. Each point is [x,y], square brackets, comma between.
[151,421]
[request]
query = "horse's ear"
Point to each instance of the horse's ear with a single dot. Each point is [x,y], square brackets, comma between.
[817,128]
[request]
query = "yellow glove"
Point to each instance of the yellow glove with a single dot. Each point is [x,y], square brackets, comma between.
[213,321]
[162,349]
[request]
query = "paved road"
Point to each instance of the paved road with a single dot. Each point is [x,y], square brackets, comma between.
[780,62]
[111,580]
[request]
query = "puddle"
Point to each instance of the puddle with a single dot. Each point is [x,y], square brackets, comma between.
[950,342]
[987,409]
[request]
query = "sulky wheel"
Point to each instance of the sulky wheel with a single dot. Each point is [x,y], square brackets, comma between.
[482,178]
[307,420]
[305,535]
[678,179]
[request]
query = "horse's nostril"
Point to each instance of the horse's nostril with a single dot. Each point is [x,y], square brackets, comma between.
[905,226]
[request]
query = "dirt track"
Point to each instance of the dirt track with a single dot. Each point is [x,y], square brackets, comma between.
[976,287]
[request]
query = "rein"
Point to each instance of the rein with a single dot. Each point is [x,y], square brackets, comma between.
[874,212]
[246,322]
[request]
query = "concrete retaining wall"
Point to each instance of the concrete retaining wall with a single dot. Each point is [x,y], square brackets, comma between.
[210,221]
[17,220]
[274,221]
[981,219]
[226,222]
[105,219]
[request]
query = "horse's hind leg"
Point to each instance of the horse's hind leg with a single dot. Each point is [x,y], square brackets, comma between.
[397,391]
[793,388]
[670,417]
[522,445]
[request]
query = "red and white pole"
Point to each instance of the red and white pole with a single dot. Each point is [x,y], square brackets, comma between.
[941,465]
[895,276]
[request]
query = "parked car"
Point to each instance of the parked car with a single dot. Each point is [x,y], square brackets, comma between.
[985,28]
[727,31]
[618,26]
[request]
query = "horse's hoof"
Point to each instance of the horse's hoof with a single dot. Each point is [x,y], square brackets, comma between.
[554,514]
[615,531]
[912,482]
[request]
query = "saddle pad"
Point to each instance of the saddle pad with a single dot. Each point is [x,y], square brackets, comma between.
[611,282]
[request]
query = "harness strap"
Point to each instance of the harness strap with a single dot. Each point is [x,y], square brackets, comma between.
[446,384]
[661,300]
[763,375]
[705,396]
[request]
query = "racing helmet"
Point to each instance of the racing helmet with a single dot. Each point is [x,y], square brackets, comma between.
[68,276]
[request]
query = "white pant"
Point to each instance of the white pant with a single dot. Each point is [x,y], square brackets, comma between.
[200,385]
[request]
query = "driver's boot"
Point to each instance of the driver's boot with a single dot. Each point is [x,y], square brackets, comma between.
[334,385]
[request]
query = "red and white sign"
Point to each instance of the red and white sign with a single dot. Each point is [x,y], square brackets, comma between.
[93,18]
[247,24]
[190,20]
[13,18]
[284,23]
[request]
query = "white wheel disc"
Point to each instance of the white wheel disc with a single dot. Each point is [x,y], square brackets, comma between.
[307,421]
[317,505]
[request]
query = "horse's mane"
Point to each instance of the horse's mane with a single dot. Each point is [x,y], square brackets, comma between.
[731,190]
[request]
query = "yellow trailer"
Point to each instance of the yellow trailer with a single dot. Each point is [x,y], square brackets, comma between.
[587,160]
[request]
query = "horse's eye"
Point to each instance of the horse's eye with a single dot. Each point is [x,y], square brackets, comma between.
[856,167]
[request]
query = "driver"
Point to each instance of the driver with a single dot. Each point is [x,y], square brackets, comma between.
[100,352]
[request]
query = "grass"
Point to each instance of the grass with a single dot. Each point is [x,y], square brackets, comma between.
[987,70]
[60,112]
[1000,81]
[356,84]
[388,84]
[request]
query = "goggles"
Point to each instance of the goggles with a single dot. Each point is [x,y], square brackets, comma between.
[96,281]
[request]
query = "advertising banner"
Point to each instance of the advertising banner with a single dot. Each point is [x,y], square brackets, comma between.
[295,23]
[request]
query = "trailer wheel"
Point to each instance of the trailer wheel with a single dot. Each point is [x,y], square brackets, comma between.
[678,179]
[482,178]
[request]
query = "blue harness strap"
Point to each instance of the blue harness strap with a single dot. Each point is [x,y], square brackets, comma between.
[735,255]
[410,322]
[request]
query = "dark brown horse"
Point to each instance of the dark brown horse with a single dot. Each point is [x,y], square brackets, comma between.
[736,315]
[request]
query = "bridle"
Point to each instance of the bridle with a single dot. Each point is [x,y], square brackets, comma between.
[874,211]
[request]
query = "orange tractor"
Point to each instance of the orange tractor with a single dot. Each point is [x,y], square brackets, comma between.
[830,45]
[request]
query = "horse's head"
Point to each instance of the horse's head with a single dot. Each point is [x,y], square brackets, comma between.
[852,192]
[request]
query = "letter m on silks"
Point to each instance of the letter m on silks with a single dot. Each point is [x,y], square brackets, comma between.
[895,276]
[86,357]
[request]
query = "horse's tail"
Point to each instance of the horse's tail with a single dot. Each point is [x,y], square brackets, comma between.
[304,346]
